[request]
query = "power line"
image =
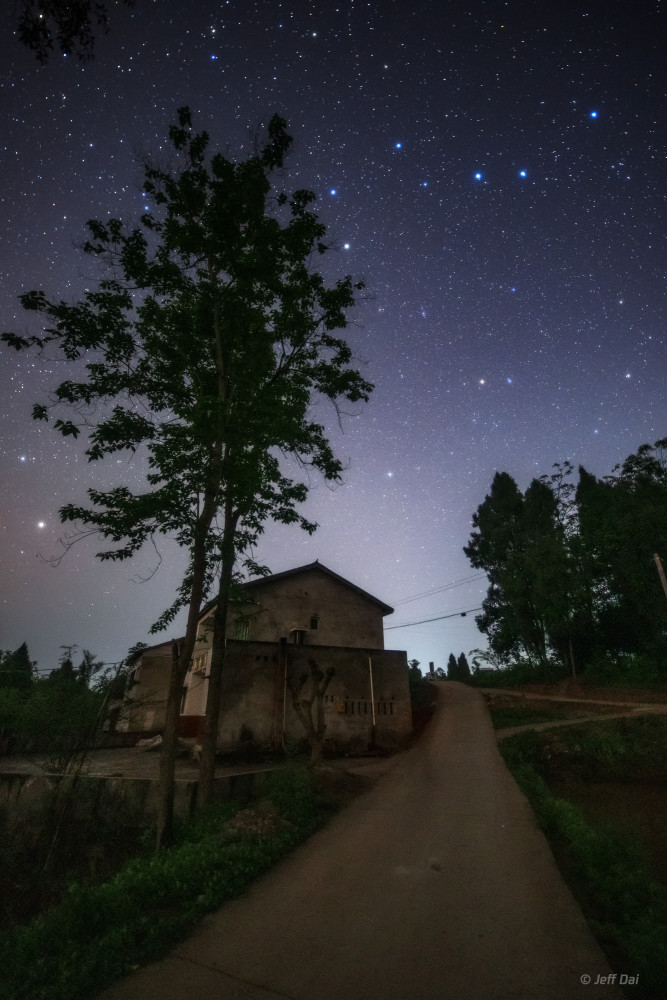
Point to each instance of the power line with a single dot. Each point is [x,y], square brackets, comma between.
[439,590]
[438,618]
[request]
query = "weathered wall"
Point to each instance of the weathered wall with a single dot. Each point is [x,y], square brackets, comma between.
[145,701]
[135,800]
[255,699]
[345,617]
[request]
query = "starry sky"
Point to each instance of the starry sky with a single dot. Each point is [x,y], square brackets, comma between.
[496,174]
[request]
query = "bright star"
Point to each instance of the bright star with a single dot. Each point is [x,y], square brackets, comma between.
[482,381]
[509,381]
[333,191]
[390,475]
[41,524]
[593,114]
[21,458]
[346,246]
[398,145]
[523,173]
[424,184]
[478,177]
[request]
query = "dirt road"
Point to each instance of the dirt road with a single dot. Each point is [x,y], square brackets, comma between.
[435,885]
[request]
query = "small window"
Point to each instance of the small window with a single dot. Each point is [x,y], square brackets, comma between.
[199,664]
[241,629]
[314,623]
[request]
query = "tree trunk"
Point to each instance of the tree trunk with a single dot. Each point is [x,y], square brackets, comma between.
[303,707]
[181,659]
[205,788]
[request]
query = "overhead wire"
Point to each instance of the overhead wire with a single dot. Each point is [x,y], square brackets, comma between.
[441,589]
[438,618]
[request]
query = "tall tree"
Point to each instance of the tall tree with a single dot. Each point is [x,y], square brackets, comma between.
[623,522]
[571,570]
[463,668]
[498,545]
[452,668]
[207,341]
[16,669]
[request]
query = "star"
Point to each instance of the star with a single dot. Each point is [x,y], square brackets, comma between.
[523,173]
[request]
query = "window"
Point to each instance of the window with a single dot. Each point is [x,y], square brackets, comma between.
[199,664]
[314,623]
[241,629]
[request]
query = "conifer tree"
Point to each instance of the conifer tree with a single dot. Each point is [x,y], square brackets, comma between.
[452,668]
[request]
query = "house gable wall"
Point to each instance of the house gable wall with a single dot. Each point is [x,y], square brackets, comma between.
[345,617]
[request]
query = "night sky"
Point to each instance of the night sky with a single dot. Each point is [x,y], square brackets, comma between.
[496,174]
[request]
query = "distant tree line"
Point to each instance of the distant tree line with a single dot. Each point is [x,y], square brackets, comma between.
[57,714]
[458,669]
[573,579]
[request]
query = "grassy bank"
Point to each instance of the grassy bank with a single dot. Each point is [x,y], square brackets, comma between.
[510,711]
[100,932]
[610,876]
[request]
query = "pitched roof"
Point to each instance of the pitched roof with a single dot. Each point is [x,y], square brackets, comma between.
[262,581]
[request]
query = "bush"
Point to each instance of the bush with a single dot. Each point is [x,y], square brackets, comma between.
[99,932]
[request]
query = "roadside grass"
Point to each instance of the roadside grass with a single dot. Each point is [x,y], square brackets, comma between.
[634,748]
[610,876]
[98,933]
[506,716]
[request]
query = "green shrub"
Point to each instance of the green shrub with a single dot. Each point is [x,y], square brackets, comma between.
[99,932]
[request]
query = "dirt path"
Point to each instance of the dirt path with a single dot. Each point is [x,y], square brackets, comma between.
[435,885]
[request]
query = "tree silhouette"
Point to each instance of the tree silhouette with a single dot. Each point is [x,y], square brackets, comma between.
[207,342]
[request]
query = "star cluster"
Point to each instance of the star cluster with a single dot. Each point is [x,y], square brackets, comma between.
[494,173]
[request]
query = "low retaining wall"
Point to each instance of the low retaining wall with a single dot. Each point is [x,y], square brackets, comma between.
[90,797]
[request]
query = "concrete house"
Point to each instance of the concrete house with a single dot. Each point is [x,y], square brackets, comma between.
[283,622]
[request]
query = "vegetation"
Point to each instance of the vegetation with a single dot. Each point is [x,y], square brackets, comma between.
[573,585]
[70,24]
[206,343]
[99,932]
[626,907]
[59,714]
[510,714]
[458,669]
